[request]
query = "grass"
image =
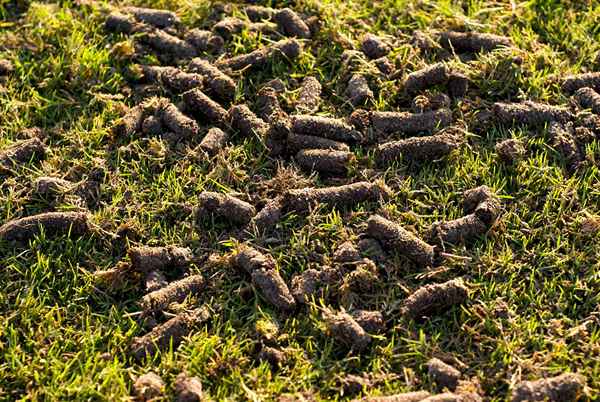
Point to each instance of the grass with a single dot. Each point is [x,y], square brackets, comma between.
[534,279]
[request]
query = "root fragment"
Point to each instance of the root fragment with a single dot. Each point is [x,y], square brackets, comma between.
[345,329]
[53,224]
[174,292]
[325,161]
[395,237]
[171,332]
[225,207]
[301,200]
[437,298]
[418,149]
[563,388]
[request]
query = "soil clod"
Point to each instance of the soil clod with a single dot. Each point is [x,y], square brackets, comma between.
[291,24]
[288,48]
[216,81]
[174,292]
[21,152]
[313,283]
[563,388]
[224,207]
[418,149]
[149,386]
[246,122]
[214,140]
[574,82]
[51,223]
[326,127]
[370,321]
[325,161]
[444,375]
[188,389]
[435,74]
[374,47]
[458,85]
[155,280]
[158,18]
[175,121]
[172,78]
[6,67]
[204,41]
[395,237]
[148,259]
[407,123]
[473,41]
[345,329]
[297,142]
[416,396]
[309,97]
[510,150]
[346,252]
[436,298]
[168,45]
[259,13]
[358,91]
[199,104]
[588,99]
[529,113]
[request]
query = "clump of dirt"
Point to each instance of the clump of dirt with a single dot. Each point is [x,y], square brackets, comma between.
[326,161]
[510,150]
[313,282]
[574,82]
[168,45]
[217,82]
[199,104]
[429,76]
[358,91]
[182,126]
[587,98]
[418,149]
[301,200]
[564,388]
[436,298]
[229,26]
[371,248]
[120,23]
[155,17]
[326,127]
[361,280]
[473,41]
[403,122]
[345,329]
[154,281]
[473,197]
[188,389]
[278,132]
[214,140]
[529,113]
[267,102]
[564,141]
[374,47]
[443,374]
[458,84]
[149,386]
[309,97]
[21,230]
[174,292]
[265,276]
[346,252]
[224,207]
[152,125]
[243,120]
[370,321]
[430,101]
[288,48]
[146,259]
[170,333]
[268,216]
[405,397]
[395,237]
[384,65]
[204,41]
[171,78]
[259,13]
[6,67]
[297,142]
[131,122]
[50,187]
[275,357]
[290,24]
[21,152]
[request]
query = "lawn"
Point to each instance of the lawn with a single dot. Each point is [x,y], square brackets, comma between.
[533,278]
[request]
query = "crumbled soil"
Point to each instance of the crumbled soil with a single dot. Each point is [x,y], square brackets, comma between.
[358,91]
[529,113]
[473,41]
[288,48]
[574,82]
[395,237]
[21,152]
[587,98]
[155,17]
[204,108]
[168,45]
[371,248]
[147,259]
[278,133]
[312,283]
[214,140]
[290,24]
[268,217]
[309,97]
[74,224]
[427,77]
[473,197]
[275,357]
[385,66]
[458,84]
[418,149]
[229,26]
[297,142]
[259,13]
[564,141]
[188,389]
[370,321]
[435,298]
[174,292]
[154,281]
[267,103]
[510,150]
[204,41]
[178,123]
[346,252]
[217,82]
[130,123]
[563,388]
[224,207]
[443,374]
[243,120]
[172,78]
[430,101]
[170,333]
[374,47]
[464,229]
[326,127]
[149,386]
[325,161]
[405,122]
[345,329]
[300,200]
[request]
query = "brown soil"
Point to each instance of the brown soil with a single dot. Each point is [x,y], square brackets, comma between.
[407,123]
[309,97]
[121,23]
[574,82]
[167,44]
[259,13]
[214,140]
[429,76]
[154,281]
[21,152]
[346,252]
[217,82]
[325,161]
[435,298]
[370,321]
[473,41]
[444,375]
[268,217]
[204,41]
[51,223]
[406,397]
[458,84]
[174,292]
[154,17]
[374,47]
[464,229]
[188,389]
[430,101]
[50,187]
[510,151]
[358,91]
[313,283]
[290,24]
[224,207]
[289,48]
[563,388]
[148,259]
[246,122]
[267,102]
[588,99]
[275,357]
[172,78]
[530,113]
[149,387]
[345,329]
[418,149]
[326,127]
[297,142]
[200,105]
[178,123]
